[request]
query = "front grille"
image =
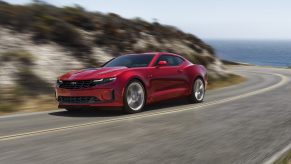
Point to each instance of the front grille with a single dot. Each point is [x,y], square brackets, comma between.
[78,100]
[77,84]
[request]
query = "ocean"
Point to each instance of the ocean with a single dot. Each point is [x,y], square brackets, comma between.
[262,53]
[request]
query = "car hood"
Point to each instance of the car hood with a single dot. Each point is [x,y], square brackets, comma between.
[93,73]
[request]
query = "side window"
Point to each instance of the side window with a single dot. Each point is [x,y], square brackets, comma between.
[171,60]
[179,60]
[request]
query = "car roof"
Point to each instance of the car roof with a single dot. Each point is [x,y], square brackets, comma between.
[156,53]
[159,53]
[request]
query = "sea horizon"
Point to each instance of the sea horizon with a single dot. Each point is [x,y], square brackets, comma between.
[276,53]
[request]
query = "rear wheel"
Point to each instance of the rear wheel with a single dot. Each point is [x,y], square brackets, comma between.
[198,91]
[134,97]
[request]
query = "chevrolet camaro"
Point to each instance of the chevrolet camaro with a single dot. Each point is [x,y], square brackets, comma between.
[132,81]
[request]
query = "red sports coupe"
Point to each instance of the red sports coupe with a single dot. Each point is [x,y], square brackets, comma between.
[131,81]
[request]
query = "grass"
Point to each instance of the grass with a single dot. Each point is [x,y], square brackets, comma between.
[224,82]
[285,159]
[28,104]
[7,108]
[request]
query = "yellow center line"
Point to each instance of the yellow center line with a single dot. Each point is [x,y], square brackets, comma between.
[284,80]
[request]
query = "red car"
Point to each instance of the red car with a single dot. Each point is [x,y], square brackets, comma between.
[131,81]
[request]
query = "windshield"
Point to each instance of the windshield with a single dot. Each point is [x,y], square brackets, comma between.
[131,61]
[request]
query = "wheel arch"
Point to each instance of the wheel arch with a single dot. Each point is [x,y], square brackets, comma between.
[199,77]
[197,71]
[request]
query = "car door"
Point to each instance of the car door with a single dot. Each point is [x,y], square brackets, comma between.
[168,81]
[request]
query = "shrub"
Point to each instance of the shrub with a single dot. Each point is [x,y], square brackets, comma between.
[24,57]
[31,85]
[78,17]
[43,27]
[5,14]
[117,36]
[51,28]
[204,60]
[65,34]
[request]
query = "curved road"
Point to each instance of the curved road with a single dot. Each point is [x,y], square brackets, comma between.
[245,123]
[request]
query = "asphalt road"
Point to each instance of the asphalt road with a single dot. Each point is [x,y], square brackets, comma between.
[245,123]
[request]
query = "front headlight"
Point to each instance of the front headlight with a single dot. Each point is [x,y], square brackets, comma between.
[59,82]
[104,81]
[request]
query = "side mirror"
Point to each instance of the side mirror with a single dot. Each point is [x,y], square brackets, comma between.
[162,63]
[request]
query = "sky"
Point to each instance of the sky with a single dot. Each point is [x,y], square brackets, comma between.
[207,19]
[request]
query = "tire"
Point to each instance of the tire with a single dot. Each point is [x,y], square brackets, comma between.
[134,97]
[198,91]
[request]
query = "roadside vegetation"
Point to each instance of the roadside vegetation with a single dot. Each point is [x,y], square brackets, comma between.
[285,159]
[232,79]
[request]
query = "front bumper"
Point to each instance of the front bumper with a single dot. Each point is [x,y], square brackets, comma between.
[89,97]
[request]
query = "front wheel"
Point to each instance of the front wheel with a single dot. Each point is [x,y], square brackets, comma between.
[198,91]
[134,97]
